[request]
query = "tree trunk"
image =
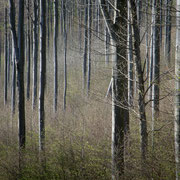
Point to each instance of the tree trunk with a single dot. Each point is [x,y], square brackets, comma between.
[35,53]
[120,113]
[56,19]
[65,53]
[177,94]
[42,74]
[13,90]
[141,99]
[29,53]
[85,44]
[156,65]
[167,44]
[89,44]
[130,59]
[5,57]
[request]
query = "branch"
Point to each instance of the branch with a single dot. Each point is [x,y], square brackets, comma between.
[109,23]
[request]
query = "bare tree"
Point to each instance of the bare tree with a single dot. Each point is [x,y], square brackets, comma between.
[120,113]
[19,51]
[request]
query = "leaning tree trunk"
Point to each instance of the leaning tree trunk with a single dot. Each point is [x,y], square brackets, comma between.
[42,74]
[177,95]
[56,19]
[35,53]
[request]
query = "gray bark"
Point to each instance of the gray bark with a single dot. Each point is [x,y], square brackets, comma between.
[141,99]
[42,74]
[85,44]
[28,53]
[56,19]
[151,55]
[35,53]
[167,44]
[13,89]
[5,57]
[65,53]
[120,114]
[156,64]
[89,44]
[177,94]
[19,50]
[130,59]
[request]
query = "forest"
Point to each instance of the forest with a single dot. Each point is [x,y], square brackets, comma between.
[90,89]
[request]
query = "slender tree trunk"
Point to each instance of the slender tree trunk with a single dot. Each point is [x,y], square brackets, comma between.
[9,52]
[35,53]
[42,74]
[19,50]
[177,94]
[160,20]
[147,39]
[151,55]
[5,57]
[13,89]
[167,44]
[141,99]
[80,25]
[65,53]
[89,44]
[130,59]
[56,19]
[28,53]
[85,44]
[20,76]
[156,66]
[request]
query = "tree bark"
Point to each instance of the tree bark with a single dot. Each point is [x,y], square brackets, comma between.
[120,113]
[141,99]
[85,43]
[156,65]
[5,57]
[35,53]
[65,53]
[56,19]
[130,59]
[177,94]
[89,44]
[29,53]
[167,44]
[42,74]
